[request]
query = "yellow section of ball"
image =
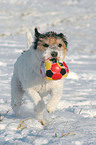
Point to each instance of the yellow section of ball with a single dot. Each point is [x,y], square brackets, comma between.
[48,78]
[48,64]
[65,75]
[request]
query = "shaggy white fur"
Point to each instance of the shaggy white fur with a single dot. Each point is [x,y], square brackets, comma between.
[28,81]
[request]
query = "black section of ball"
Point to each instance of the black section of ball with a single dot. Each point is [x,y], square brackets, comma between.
[49,73]
[63,71]
[53,60]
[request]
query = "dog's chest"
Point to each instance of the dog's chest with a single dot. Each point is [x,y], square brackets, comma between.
[43,88]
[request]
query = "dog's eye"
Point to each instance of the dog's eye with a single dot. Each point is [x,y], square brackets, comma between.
[59,45]
[45,45]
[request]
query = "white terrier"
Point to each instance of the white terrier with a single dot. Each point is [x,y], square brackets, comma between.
[27,79]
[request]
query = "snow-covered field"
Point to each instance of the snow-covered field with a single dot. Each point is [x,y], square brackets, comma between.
[74,121]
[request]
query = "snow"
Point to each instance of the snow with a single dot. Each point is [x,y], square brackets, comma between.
[74,121]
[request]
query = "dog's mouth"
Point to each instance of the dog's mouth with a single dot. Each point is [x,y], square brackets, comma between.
[54,60]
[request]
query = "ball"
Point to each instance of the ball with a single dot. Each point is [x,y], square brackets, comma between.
[52,69]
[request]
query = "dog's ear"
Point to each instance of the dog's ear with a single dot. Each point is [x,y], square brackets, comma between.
[66,43]
[37,34]
[61,35]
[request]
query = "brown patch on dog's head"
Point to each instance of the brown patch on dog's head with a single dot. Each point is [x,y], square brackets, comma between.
[51,40]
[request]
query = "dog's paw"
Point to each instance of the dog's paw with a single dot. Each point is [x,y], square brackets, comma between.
[43,122]
[50,109]
[42,117]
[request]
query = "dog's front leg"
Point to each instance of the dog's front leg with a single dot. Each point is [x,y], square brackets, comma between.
[38,102]
[56,96]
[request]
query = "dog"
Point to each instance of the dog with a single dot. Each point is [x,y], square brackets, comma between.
[27,80]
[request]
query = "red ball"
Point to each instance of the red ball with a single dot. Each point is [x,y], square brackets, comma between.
[52,69]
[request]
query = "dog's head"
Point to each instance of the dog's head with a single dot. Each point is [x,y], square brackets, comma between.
[51,44]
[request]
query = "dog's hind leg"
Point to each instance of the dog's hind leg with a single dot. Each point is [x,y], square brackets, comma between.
[16,95]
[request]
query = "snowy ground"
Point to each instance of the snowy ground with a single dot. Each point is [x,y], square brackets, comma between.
[74,122]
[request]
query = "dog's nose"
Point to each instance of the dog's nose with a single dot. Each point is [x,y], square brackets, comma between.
[54,54]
